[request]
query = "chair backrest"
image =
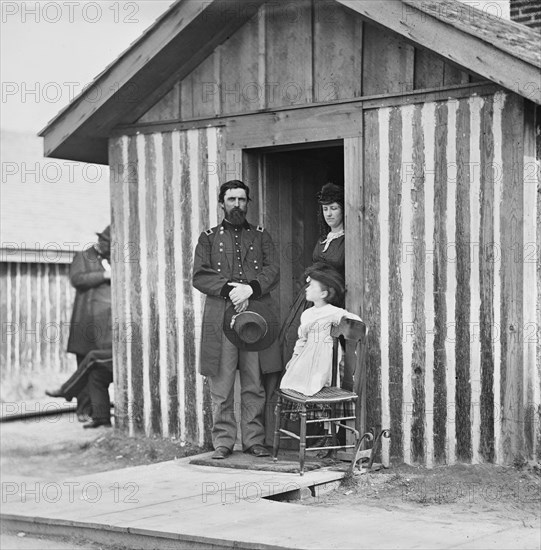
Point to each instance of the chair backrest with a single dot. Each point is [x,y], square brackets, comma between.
[349,329]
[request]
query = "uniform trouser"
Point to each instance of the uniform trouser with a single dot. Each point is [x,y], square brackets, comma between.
[99,379]
[84,406]
[252,406]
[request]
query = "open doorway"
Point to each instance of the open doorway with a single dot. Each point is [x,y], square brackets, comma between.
[287,180]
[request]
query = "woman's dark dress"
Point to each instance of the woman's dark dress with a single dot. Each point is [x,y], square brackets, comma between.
[334,255]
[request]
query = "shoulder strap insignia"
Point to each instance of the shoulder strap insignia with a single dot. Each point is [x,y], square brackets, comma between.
[209,231]
[260,228]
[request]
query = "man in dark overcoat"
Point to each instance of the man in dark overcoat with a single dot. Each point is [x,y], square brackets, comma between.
[235,263]
[91,319]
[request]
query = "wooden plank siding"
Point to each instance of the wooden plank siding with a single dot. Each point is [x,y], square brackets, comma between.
[313,51]
[164,194]
[36,305]
[444,194]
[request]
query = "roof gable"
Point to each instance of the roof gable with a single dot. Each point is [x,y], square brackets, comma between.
[190,30]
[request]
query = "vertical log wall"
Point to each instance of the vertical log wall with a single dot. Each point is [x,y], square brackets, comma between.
[450,279]
[164,193]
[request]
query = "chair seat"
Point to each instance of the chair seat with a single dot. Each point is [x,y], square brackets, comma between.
[329,394]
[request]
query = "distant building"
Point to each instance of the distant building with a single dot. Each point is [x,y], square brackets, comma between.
[49,210]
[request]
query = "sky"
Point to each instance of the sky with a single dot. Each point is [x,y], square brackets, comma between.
[49,50]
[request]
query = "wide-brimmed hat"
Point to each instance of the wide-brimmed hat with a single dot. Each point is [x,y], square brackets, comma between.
[329,276]
[105,234]
[254,329]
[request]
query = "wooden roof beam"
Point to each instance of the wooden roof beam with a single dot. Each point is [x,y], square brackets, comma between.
[184,36]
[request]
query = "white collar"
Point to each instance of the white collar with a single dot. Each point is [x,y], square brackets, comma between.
[330,237]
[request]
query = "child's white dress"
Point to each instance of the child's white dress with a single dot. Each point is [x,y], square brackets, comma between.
[310,366]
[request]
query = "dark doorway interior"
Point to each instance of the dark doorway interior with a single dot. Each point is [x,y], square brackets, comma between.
[289,180]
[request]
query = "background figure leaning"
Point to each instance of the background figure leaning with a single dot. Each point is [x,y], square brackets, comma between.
[91,321]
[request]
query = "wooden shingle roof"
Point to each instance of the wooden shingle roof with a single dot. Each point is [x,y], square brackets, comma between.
[499,50]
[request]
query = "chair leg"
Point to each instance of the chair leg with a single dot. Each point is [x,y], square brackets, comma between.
[277,426]
[333,431]
[302,442]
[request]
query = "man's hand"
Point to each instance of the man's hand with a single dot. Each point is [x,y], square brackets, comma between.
[243,306]
[239,294]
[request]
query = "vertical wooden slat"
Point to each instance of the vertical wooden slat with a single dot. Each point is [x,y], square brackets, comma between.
[489,251]
[53,300]
[203,79]
[388,62]
[239,87]
[135,278]
[203,392]
[384,116]
[405,279]
[262,56]
[179,183]
[440,283]
[354,261]
[530,297]
[429,69]
[169,277]
[46,316]
[167,108]
[149,298]
[289,54]
[337,57]
[372,306]
[463,297]
[143,185]
[118,172]
[39,323]
[512,277]
[160,330]
[451,293]
[400,409]
[5,297]
[499,100]
[416,252]
[475,321]
[24,319]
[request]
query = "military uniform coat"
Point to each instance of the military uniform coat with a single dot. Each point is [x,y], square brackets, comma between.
[91,320]
[213,268]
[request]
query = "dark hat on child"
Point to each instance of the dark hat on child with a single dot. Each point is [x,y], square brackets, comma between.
[105,234]
[254,329]
[330,193]
[326,274]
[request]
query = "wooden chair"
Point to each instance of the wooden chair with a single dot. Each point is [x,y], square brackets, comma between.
[332,397]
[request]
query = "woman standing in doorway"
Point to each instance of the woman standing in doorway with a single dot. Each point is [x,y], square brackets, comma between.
[329,249]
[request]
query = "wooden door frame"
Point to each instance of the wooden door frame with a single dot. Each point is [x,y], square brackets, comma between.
[240,165]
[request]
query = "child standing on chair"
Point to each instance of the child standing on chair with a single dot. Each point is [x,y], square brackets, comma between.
[310,367]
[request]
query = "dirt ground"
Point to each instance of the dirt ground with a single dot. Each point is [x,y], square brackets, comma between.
[494,493]
[58,447]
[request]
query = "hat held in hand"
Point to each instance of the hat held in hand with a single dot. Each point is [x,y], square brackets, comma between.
[252,330]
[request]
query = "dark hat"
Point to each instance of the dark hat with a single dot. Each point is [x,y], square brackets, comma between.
[254,329]
[326,274]
[330,193]
[105,234]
